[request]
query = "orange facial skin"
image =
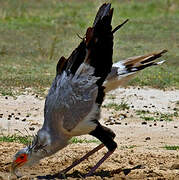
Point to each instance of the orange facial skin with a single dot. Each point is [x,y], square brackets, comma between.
[18,162]
[21,160]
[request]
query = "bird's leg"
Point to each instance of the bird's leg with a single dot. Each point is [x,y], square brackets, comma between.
[99,163]
[82,159]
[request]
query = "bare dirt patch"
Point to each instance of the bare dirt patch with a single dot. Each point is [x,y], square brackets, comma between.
[138,143]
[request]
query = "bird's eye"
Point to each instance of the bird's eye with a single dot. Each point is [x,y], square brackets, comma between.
[21,157]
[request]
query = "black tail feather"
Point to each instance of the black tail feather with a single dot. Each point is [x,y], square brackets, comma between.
[119,26]
[103,10]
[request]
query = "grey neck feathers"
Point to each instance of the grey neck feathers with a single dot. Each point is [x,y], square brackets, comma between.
[45,144]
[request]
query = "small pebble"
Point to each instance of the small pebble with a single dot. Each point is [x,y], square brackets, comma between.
[144,123]
[131,162]
[31,128]
[118,123]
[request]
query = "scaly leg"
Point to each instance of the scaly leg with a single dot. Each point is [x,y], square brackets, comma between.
[99,163]
[82,159]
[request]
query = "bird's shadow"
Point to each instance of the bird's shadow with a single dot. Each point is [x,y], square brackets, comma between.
[75,174]
[78,174]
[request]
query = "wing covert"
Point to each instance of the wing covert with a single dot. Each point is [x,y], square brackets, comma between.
[71,98]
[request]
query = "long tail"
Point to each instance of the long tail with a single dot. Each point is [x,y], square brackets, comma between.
[123,71]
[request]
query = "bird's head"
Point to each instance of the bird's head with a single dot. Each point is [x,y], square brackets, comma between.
[28,156]
[20,158]
[41,147]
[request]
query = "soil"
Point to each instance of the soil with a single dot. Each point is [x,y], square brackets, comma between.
[140,143]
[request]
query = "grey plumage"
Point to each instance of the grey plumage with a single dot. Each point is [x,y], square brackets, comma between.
[72,106]
[68,96]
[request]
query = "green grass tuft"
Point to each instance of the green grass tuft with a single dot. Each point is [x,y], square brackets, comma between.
[15,138]
[117,107]
[139,112]
[76,140]
[148,116]
[128,147]
[167,147]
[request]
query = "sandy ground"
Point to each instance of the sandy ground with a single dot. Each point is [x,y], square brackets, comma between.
[139,144]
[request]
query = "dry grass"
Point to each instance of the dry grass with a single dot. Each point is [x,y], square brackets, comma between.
[35,34]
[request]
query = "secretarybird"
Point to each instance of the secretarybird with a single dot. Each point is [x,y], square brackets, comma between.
[72,106]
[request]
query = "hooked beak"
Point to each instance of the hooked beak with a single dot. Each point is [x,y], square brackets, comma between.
[14,165]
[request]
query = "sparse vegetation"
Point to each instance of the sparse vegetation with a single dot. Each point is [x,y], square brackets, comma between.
[128,147]
[28,139]
[117,107]
[167,147]
[16,138]
[35,34]
[139,112]
[166,117]
[149,116]
[76,140]
[111,96]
